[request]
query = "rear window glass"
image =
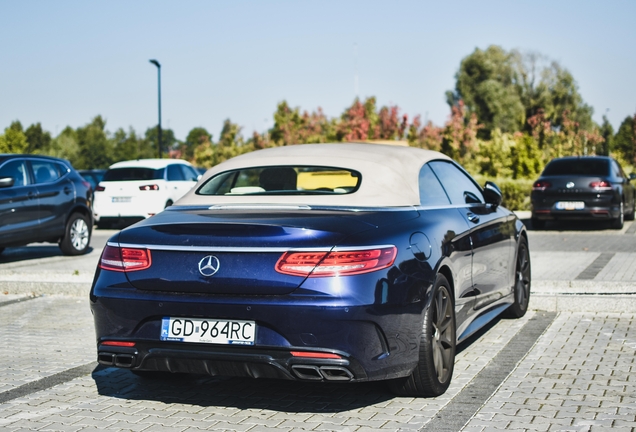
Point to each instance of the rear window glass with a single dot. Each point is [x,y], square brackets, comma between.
[127,174]
[283,180]
[591,167]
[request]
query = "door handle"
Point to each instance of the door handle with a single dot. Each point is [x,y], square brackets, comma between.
[472,217]
[67,190]
[32,195]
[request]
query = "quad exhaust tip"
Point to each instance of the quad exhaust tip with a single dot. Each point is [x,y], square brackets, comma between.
[116,359]
[320,373]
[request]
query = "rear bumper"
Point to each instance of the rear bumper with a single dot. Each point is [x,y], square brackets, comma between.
[611,212]
[212,360]
[374,341]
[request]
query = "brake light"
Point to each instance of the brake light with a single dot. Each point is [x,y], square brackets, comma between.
[601,185]
[152,187]
[100,188]
[86,184]
[541,185]
[307,354]
[124,259]
[118,343]
[336,263]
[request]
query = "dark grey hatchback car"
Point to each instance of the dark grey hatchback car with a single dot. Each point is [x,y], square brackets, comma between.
[583,187]
[43,199]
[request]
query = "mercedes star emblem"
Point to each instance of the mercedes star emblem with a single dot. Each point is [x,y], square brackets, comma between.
[209,265]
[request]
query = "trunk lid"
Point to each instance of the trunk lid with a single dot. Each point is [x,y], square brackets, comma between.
[234,252]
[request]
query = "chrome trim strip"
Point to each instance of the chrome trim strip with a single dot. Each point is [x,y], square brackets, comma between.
[258,207]
[244,249]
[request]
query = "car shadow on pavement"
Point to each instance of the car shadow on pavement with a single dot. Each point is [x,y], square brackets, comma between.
[248,393]
[240,393]
[24,253]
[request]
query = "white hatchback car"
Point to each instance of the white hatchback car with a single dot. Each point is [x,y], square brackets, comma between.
[134,190]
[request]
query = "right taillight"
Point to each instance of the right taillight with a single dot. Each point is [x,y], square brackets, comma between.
[100,188]
[336,263]
[124,259]
[541,185]
[601,185]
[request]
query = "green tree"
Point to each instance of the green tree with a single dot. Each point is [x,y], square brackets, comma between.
[95,150]
[625,139]
[196,136]
[505,88]
[65,145]
[293,127]
[168,139]
[607,132]
[38,139]
[487,82]
[129,146]
[13,140]
[231,143]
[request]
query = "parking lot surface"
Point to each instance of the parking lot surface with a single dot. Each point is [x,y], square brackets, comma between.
[569,364]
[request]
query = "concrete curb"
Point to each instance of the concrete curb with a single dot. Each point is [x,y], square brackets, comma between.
[37,288]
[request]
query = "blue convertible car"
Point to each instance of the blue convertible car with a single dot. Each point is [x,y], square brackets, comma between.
[325,262]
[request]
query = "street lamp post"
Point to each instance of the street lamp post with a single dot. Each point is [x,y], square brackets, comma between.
[156,63]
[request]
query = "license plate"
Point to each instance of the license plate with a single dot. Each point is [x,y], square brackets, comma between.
[121,199]
[570,205]
[212,331]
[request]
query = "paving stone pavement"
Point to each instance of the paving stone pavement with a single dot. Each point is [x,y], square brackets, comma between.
[578,376]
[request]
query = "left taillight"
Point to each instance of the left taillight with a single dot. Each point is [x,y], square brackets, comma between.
[336,263]
[124,259]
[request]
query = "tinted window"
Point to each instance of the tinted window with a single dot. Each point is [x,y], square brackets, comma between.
[45,171]
[460,188]
[17,170]
[283,180]
[431,191]
[582,166]
[189,173]
[175,173]
[127,174]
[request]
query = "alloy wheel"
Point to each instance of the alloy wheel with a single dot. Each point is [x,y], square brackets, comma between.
[442,334]
[79,234]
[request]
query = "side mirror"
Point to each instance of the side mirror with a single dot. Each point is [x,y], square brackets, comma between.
[6,182]
[492,194]
[632,176]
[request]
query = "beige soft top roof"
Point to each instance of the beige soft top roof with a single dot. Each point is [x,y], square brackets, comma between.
[389,174]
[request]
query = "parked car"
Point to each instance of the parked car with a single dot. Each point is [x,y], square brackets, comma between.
[583,188]
[93,176]
[134,190]
[317,262]
[43,199]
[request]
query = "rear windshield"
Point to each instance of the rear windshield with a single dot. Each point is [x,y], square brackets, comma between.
[127,174]
[283,180]
[589,167]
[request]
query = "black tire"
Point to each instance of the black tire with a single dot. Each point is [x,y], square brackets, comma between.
[77,235]
[538,224]
[630,216]
[620,220]
[1,250]
[168,204]
[523,281]
[434,370]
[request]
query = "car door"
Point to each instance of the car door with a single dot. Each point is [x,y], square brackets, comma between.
[445,226]
[180,181]
[56,194]
[491,233]
[18,204]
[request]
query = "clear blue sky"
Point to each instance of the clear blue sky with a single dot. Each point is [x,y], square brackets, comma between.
[63,62]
